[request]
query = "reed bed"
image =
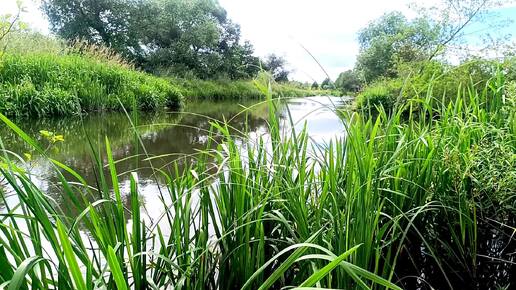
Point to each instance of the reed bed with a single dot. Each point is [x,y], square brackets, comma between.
[39,85]
[196,89]
[401,202]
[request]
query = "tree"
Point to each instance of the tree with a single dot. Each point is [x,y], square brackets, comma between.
[315,85]
[392,39]
[168,36]
[109,22]
[454,16]
[327,84]
[348,81]
[276,65]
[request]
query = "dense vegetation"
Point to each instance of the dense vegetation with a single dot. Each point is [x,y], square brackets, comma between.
[241,90]
[173,37]
[54,85]
[419,194]
[46,76]
[347,216]
[401,56]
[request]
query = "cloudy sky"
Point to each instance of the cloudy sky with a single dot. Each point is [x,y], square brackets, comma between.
[327,28]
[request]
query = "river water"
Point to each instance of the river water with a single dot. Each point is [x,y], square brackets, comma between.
[163,138]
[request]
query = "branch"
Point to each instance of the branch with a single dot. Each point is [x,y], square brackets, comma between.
[458,30]
[11,26]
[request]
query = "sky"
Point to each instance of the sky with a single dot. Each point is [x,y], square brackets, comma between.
[326,28]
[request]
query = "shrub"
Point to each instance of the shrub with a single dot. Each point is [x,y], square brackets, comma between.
[33,83]
[383,93]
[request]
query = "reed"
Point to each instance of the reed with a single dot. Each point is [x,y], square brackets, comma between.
[56,85]
[398,190]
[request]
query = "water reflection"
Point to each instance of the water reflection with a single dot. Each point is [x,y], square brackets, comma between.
[168,137]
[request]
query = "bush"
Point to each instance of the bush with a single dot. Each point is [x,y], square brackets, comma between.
[433,79]
[50,85]
[383,93]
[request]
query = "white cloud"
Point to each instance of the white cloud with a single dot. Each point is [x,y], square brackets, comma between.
[327,28]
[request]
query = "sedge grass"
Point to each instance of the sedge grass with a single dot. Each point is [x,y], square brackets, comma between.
[281,215]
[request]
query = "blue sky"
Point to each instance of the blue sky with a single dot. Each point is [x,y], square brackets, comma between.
[327,28]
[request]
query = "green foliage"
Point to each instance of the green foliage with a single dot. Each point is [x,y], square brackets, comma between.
[327,84]
[382,93]
[23,42]
[391,40]
[276,66]
[348,82]
[174,37]
[433,79]
[238,89]
[343,216]
[49,85]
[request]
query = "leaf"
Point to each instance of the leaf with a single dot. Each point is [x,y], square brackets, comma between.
[25,267]
[114,266]
[73,266]
[317,276]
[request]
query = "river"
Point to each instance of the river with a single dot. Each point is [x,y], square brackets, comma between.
[146,141]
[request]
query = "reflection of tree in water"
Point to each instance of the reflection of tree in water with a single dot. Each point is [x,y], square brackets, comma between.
[173,136]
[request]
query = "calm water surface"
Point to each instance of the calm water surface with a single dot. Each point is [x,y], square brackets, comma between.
[166,137]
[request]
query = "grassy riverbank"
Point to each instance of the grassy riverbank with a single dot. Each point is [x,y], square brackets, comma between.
[423,195]
[439,80]
[37,85]
[239,90]
[42,76]
[57,85]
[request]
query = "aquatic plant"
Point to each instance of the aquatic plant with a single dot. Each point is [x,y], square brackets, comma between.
[56,85]
[401,202]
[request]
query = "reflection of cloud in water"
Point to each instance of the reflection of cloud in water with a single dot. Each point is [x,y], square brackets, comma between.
[319,116]
[171,138]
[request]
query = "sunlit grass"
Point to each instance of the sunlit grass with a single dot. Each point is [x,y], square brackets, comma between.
[283,213]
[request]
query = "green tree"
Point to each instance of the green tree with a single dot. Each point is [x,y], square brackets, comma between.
[165,36]
[276,65]
[315,85]
[110,22]
[393,39]
[348,81]
[327,84]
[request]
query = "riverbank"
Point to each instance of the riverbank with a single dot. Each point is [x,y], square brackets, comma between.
[45,85]
[41,85]
[431,195]
[239,89]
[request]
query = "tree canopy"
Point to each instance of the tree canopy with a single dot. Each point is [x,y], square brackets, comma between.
[348,81]
[392,40]
[167,36]
[276,65]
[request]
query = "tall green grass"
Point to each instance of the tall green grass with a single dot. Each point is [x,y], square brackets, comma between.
[57,85]
[399,193]
[238,89]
